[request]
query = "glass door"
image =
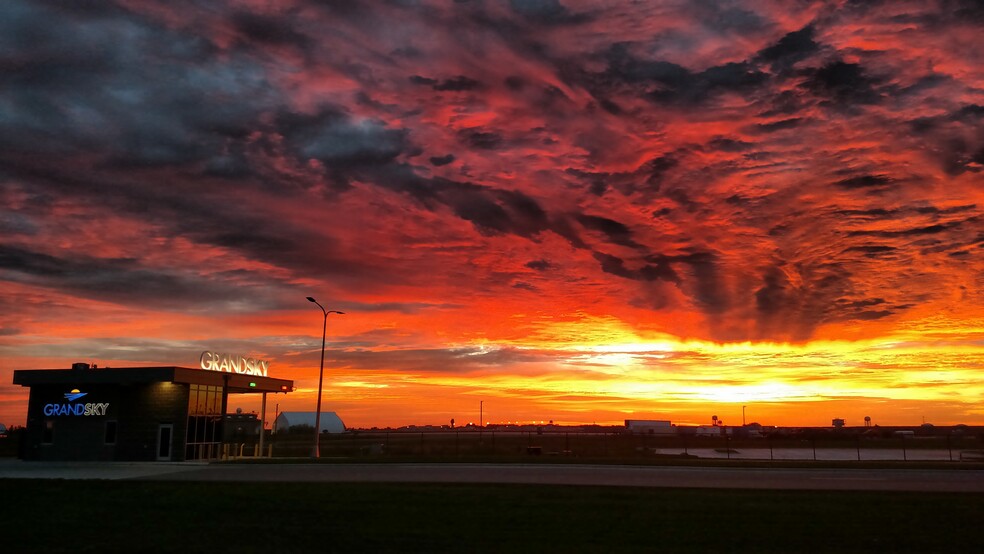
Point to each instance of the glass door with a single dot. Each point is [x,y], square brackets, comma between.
[164,442]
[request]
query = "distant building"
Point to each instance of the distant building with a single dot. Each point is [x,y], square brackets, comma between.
[711,431]
[330,422]
[650,427]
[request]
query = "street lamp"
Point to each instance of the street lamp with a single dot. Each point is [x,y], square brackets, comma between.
[316,449]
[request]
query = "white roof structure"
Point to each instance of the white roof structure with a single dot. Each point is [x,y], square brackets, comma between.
[330,422]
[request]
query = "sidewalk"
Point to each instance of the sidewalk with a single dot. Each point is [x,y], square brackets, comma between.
[11,468]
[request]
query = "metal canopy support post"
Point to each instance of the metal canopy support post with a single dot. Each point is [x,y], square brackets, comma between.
[262,421]
[222,419]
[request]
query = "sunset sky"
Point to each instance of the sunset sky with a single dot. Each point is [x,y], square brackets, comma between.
[578,211]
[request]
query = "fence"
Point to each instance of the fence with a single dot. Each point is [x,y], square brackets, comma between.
[496,444]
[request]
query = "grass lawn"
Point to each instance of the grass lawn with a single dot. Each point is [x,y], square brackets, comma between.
[135,516]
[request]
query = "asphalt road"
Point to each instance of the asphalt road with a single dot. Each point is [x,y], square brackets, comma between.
[925,480]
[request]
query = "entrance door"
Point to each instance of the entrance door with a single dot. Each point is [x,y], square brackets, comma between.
[164,442]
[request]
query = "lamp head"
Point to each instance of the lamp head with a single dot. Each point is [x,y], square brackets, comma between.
[311,299]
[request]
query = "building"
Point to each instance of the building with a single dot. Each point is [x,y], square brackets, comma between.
[650,427]
[330,422]
[138,413]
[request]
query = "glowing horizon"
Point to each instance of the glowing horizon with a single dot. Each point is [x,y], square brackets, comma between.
[571,210]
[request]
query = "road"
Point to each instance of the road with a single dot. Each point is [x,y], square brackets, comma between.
[924,480]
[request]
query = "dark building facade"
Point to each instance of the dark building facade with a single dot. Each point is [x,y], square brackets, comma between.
[132,414]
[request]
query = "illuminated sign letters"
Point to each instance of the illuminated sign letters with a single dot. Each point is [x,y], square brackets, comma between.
[69,409]
[230,363]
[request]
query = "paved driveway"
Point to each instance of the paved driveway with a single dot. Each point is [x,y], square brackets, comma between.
[955,480]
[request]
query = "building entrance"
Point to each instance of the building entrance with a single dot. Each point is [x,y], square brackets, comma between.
[164,432]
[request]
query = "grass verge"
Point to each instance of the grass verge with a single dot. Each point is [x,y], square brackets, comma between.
[133,516]
[661,461]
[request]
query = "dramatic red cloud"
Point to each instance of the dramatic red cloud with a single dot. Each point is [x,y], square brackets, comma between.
[570,211]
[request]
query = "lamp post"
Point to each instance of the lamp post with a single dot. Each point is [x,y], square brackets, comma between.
[316,449]
[742,416]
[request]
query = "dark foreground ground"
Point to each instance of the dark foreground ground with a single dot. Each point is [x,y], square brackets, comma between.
[196,516]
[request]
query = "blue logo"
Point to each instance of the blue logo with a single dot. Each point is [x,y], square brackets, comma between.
[74,395]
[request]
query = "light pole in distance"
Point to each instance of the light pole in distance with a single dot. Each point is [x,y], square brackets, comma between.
[316,449]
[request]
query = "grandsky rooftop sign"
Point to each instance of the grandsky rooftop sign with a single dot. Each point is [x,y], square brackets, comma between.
[234,363]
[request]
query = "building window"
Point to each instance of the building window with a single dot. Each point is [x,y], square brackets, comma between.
[48,435]
[204,430]
[110,432]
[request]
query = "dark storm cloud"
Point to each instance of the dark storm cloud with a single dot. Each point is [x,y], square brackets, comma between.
[725,144]
[454,84]
[457,84]
[124,281]
[865,182]
[427,81]
[868,309]
[616,232]
[495,211]
[658,270]
[957,138]
[442,160]
[492,211]
[775,126]
[401,307]
[844,84]
[918,231]
[232,164]
[474,205]
[333,137]
[111,83]
[667,82]
[792,48]
[647,179]
[784,104]
[727,16]
[539,265]
[933,210]
[616,266]
[874,213]
[269,30]
[547,12]
[796,310]
[203,215]
[699,274]
[872,250]
[771,298]
[657,168]
[481,138]
[945,14]
[107,91]
[709,291]
[972,112]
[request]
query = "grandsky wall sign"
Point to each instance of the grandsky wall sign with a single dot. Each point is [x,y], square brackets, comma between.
[70,409]
[234,363]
